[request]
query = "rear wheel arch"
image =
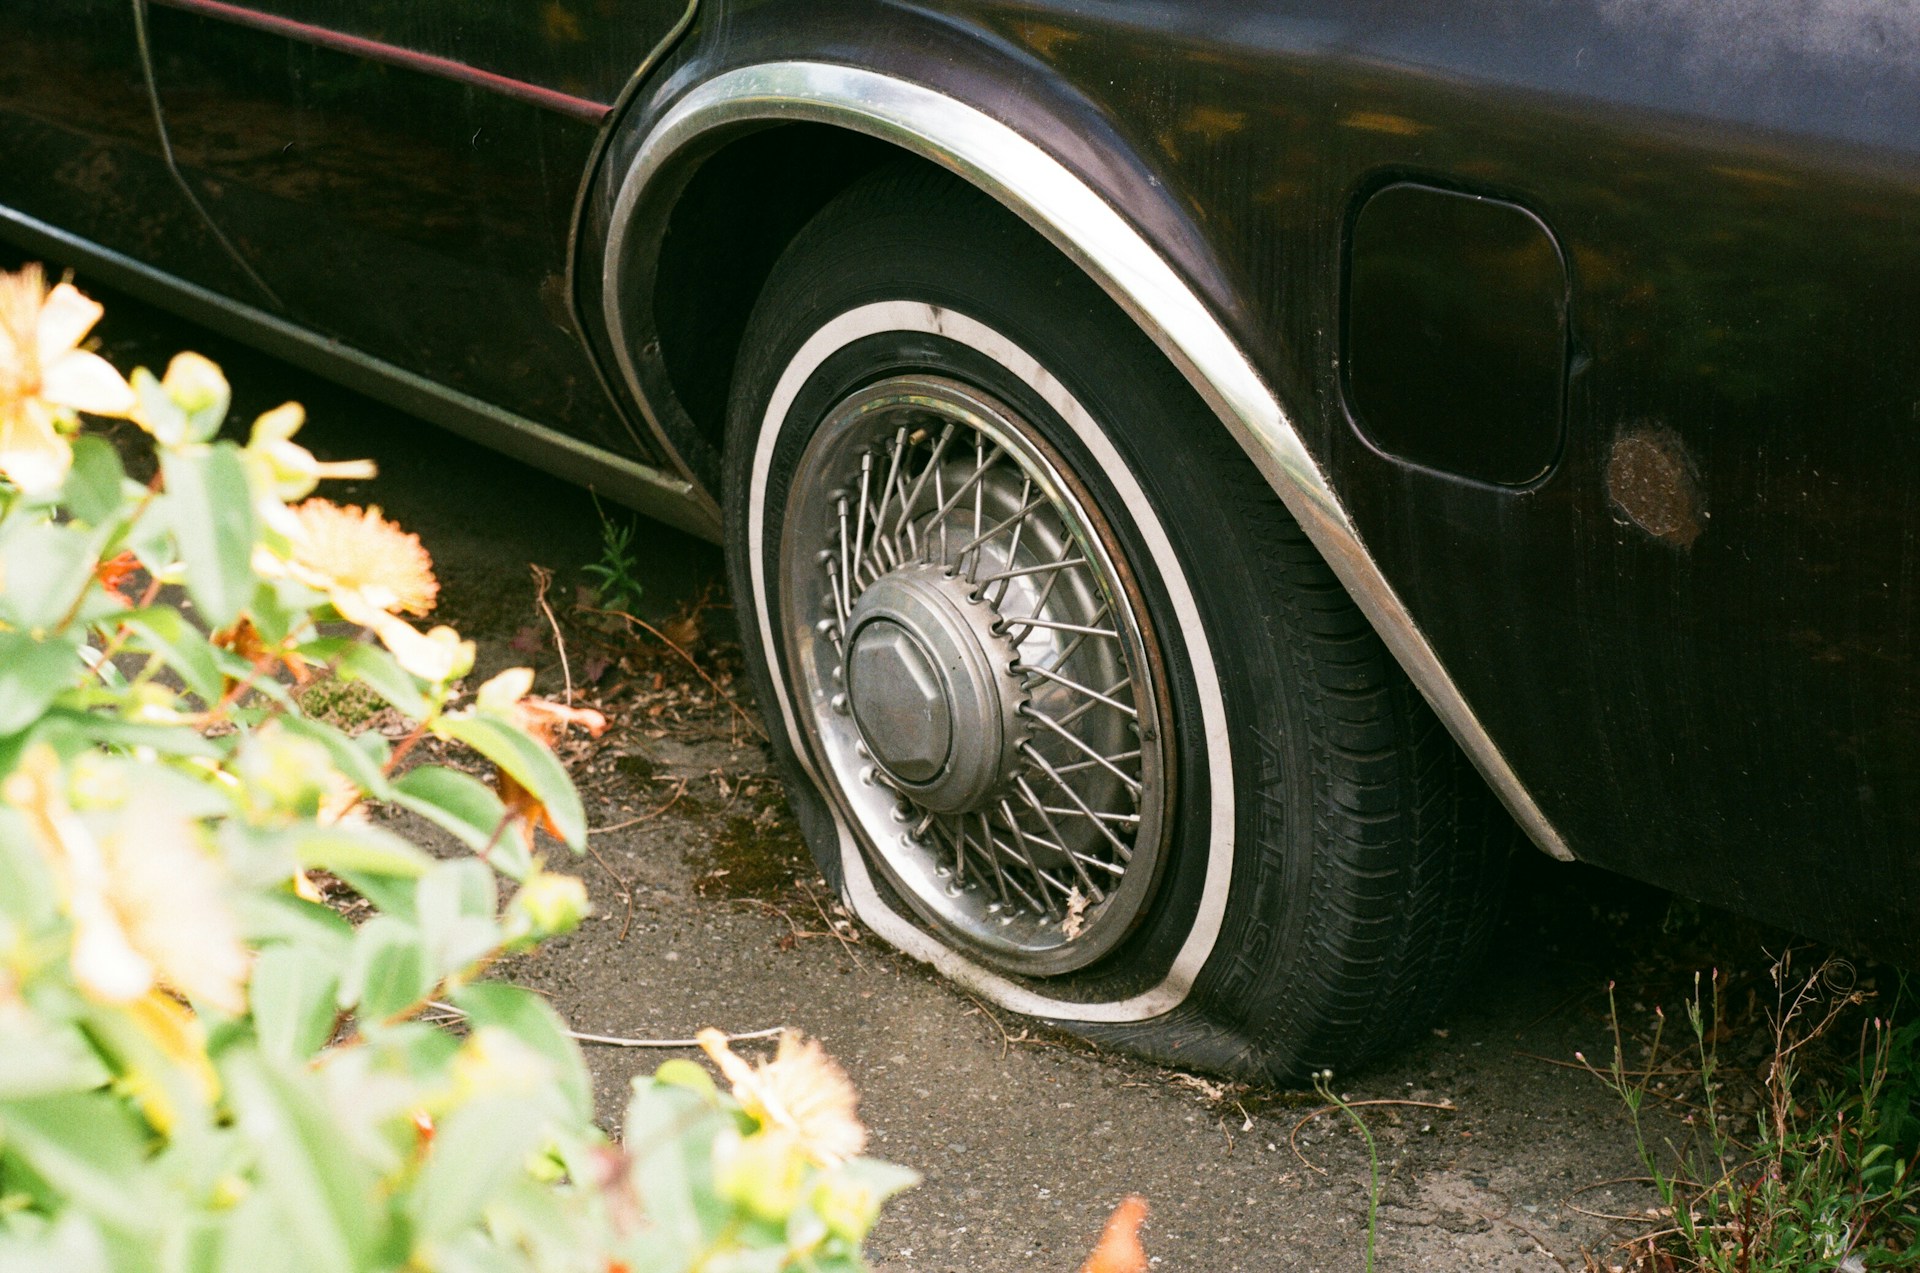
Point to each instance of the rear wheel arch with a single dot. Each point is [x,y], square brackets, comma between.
[1165,281]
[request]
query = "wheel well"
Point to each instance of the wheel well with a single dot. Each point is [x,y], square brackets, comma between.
[732,221]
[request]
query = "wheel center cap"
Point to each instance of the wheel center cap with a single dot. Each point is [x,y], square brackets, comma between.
[929,684]
[899,702]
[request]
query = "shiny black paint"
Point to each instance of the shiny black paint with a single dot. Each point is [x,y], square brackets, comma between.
[1692,637]
[77,142]
[418,217]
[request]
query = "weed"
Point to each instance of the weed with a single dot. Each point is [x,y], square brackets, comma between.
[1323,1084]
[616,575]
[1827,1180]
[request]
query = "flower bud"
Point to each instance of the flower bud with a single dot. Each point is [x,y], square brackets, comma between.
[547,905]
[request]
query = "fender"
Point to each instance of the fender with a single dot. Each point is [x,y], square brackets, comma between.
[1064,208]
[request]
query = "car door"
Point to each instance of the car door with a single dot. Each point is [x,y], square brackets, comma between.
[79,149]
[402,175]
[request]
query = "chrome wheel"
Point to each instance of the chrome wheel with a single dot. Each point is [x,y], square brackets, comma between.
[978,677]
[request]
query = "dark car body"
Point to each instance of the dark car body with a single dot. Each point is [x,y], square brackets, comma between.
[1583,336]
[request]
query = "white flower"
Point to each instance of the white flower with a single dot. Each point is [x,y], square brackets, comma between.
[148,902]
[45,377]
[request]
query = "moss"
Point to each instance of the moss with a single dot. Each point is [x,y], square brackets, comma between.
[754,856]
[346,705]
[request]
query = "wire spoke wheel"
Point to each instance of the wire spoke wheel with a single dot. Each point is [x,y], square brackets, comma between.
[979,673]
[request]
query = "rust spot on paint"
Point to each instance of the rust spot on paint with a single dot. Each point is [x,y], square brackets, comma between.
[1651,480]
[1385,122]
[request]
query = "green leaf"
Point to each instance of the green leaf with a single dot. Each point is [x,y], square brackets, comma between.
[281,917]
[28,894]
[455,906]
[387,970]
[38,1058]
[162,630]
[390,894]
[477,1152]
[529,1019]
[32,675]
[211,510]
[466,807]
[91,1149]
[352,759]
[293,996]
[168,740]
[325,1194]
[345,849]
[530,764]
[96,482]
[47,567]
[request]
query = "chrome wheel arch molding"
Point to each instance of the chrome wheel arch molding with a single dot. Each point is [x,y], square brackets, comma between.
[1079,221]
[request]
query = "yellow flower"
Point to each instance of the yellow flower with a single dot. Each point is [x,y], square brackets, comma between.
[288,469]
[437,655]
[147,902]
[45,377]
[366,565]
[801,1093]
[180,1039]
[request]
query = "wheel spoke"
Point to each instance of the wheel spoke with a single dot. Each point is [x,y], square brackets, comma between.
[1042,568]
[1095,695]
[1120,846]
[920,483]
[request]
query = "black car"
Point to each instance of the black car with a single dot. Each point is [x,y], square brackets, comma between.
[1163,447]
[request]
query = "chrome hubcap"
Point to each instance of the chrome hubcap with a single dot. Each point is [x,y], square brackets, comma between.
[929,683]
[979,678]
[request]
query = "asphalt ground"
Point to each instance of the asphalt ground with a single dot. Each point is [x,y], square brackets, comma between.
[1494,1148]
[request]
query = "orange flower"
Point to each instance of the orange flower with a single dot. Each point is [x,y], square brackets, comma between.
[801,1095]
[366,565]
[45,377]
[116,571]
[507,693]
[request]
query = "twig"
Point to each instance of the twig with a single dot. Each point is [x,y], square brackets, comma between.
[712,684]
[623,884]
[846,943]
[1571,1205]
[1517,1227]
[542,580]
[678,791]
[1293,1136]
[613,1041]
[1006,1040]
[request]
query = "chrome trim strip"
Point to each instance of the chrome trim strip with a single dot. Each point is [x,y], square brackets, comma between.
[638,486]
[1093,233]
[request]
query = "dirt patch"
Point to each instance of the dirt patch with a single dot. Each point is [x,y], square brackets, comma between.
[753,856]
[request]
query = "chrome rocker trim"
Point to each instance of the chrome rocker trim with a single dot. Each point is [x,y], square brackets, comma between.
[638,486]
[1076,219]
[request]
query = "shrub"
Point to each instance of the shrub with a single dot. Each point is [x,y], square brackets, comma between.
[202,1065]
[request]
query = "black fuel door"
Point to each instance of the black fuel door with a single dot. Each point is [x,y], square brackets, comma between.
[1455,342]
